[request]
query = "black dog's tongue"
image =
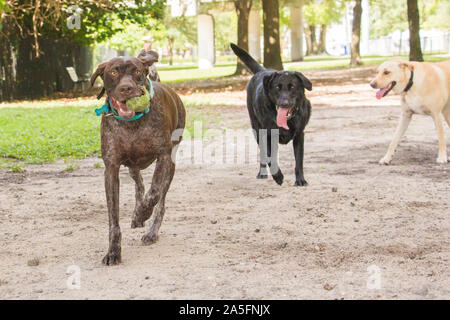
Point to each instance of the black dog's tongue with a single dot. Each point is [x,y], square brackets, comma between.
[122,109]
[282,118]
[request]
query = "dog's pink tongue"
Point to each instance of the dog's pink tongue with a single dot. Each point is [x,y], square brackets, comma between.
[282,118]
[382,92]
[124,112]
[122,109]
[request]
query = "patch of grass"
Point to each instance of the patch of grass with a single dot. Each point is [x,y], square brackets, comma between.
[5,162]
[44,131]
[72,165]
[97,165]
[193,66]
[41,134]
[17,167]
[12,165]
[71,168]
[181,75]
[336,63]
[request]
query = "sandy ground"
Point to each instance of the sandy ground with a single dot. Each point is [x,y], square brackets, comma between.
[358,231]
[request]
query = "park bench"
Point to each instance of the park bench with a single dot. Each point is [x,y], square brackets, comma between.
[78,81]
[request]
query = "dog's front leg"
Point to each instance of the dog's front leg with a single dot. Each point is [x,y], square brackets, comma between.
[151,235]
[438,121]
[298,143]
[272,152]
[145,210]
[401,129]
[446,113]
[112,199]
[135,174]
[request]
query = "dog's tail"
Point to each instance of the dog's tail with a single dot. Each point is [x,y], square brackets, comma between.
[251,63]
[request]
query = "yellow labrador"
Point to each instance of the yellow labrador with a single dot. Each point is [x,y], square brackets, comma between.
[424,89]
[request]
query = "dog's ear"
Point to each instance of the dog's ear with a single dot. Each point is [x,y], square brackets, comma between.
[267,83]
[406,65]
[99,72]
[304,80]
[148,57]
[153,74]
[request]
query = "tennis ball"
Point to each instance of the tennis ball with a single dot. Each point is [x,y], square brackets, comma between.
[139,104]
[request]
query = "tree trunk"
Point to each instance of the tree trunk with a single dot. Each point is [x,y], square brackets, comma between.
[356,34]
[7,76]
[272,49]
[321,48]
[415,52]
[243,11]
[309,48]
[312,34]
[170,51]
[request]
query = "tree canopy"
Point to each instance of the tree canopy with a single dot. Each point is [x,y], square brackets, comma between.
[48,18]
[387,16]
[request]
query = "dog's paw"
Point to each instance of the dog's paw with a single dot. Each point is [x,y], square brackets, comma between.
[442,159]
[385,160]
[301,183]
[137,224]
[149,238]
[262,176]
[112,259]
[278,177]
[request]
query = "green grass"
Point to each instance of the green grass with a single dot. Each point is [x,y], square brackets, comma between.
[180,73]
[44,131]
[72,165]
[97,165]
[37,134]
[220,59]
[192,67]
[17,167]
[71,168]
[335,63]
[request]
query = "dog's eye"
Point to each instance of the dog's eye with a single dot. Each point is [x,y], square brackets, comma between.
[278,87]
[137,72]
[114,73]
[386,73]
[291,86]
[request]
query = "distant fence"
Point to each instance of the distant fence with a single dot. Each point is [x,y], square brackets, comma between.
[400,45]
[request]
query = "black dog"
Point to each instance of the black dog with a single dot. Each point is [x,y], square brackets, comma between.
[279,112]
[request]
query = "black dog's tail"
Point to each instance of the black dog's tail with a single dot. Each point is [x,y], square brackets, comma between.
[251,63]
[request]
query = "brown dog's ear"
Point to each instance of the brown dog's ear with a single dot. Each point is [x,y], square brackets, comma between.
[148,57]
[99,72]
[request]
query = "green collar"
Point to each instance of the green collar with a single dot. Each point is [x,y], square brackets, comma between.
[107,108]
